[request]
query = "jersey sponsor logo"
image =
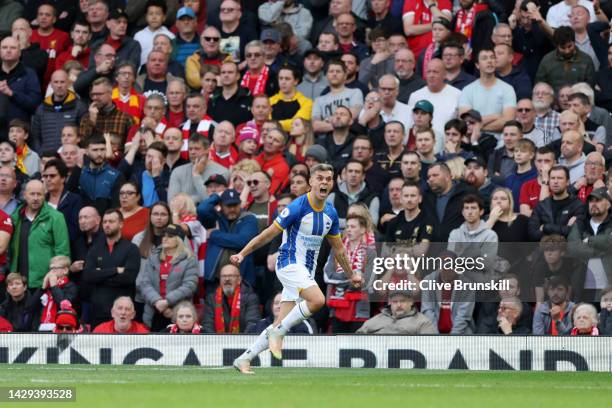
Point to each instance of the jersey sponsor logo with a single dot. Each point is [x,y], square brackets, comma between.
[285,213]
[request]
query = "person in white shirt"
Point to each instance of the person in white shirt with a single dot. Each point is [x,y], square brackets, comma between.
[392,109]
[444,97]
[559,14]
[155,16]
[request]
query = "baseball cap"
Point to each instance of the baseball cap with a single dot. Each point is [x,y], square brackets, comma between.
[599,193]
[185,12]
[230,197]
[66,316]
[216,178]
[424,105]
[474,114]
[270,34]
[476,159]
[248,132]
[174,230]
[117,13]
[313,51]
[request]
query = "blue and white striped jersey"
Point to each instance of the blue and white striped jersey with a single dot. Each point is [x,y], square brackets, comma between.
[304,228]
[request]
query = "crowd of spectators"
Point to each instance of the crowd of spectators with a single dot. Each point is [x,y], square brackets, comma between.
[144,142]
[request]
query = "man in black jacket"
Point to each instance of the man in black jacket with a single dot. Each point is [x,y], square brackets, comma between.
[443,202]
[556,214]
[111,268]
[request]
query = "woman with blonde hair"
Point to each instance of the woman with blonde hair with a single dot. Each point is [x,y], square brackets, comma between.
[184,319]
[457,167]
[301,138]
[511,228]
[241,172]
[584,318]
[170,275]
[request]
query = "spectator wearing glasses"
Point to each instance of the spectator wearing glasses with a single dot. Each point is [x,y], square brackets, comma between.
[232,29]
[232,306]
[547,118]
[125,96]
[258,78]
[135,216]
[453,56]
[69,204]
[209,54]
[104,63]
[526,116]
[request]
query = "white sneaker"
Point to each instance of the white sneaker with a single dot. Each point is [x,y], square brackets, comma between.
[243,366]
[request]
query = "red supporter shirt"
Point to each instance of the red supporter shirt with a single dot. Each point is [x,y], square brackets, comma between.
[445,320]
[277,168]
[228,160]
[530,193]
[109,328]
[54,44]
[422,15]
[164,271]
[82,57]
[6,225]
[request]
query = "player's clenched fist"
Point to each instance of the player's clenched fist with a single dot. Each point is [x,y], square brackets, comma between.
[236,260]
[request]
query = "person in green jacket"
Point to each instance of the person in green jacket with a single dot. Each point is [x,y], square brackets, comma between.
[40,233]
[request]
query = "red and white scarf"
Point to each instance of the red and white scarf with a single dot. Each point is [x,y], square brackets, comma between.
[203,127]
[197,329]
[465,22]
[234,326]
[49,310]
[260,85]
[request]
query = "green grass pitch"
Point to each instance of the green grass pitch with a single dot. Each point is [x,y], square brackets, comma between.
[175,387]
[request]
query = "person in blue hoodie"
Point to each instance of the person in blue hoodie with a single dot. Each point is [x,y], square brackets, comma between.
[235,228]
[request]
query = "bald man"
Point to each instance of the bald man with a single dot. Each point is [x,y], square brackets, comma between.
[40,233]
[444,97]
[594,170]
[60,109]
[18,82]
[90,232]
[571,154]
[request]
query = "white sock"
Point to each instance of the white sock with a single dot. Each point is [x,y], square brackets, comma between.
[297,315]
[260,345]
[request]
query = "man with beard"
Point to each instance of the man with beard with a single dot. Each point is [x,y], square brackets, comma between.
[590,243]
[404,69]
[232,306]
[103,116]
[557,213]
[444,201]
[173,139]
[566,64]
[477,176]
[553,317]
[80,51]
[99,183]
[314,80]
[40,233]
[110,268]
[339,142]
[546,117]
[411,226]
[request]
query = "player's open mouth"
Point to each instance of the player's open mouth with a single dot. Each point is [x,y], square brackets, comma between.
[323,190]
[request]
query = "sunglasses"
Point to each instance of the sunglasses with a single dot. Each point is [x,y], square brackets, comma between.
[253,183]
[211,39]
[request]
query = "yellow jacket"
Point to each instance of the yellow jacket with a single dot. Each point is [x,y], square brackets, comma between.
[304,111]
